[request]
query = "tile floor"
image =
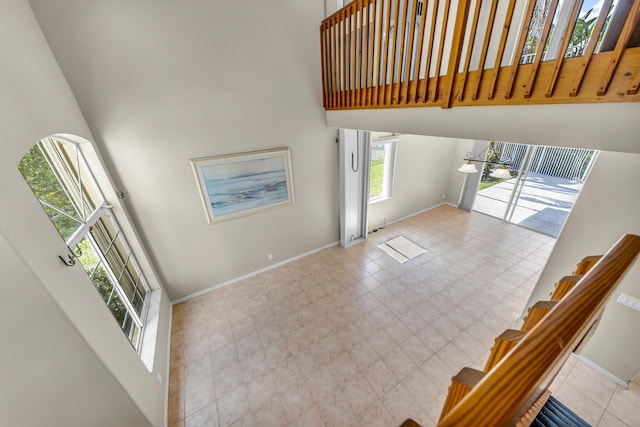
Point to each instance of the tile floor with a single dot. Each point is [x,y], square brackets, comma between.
[351,337]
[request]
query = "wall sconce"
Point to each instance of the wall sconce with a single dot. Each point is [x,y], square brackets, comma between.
[491,156]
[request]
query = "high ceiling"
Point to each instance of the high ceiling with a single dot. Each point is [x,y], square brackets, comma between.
[161,82]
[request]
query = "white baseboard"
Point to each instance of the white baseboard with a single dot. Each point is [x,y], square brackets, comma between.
[262,270]
[253,273]
[414,214]
[600,369]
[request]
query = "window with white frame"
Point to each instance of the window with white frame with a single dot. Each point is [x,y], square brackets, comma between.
[58,174]
[383,159]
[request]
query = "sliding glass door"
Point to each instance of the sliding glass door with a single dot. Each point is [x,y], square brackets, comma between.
[544,184]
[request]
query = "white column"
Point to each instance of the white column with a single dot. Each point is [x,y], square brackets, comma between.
[354,185]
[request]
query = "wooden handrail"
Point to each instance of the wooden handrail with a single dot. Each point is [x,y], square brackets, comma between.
[508,390]
[391,54]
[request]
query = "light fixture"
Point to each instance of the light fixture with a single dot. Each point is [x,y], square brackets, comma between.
[490,156]
[501,173]
[468,167]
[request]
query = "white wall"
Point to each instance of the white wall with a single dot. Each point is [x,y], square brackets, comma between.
[162,82]
[50,377]
[456,179]
[606,126]
[606,209]
[422,177]
[65,360]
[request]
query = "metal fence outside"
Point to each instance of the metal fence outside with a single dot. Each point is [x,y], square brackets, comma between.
[559,162]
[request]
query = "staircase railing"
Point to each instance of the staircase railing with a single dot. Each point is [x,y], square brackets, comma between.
[517,384]
[410,53]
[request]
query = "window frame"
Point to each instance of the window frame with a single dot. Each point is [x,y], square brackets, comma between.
[390,153]
[77,180]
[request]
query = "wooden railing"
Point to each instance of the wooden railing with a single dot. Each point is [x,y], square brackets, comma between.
[411,53]
[516,384]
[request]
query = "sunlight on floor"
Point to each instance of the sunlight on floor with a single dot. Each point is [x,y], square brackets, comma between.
[352,337]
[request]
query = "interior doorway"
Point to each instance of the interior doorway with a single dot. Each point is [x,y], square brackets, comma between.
[545,182]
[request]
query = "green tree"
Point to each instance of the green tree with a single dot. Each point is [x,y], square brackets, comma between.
[583,29]
[47,188]
[55,201]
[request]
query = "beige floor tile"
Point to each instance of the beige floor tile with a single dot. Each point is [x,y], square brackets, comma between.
[632,394]
[335,410]
[454,357]
[343,368]
[296,401]
[380,377]
[470,346]
[422,389]
[609,420]
[432,338]
[438,372]
[401,404]
[417,350]
[271,414]
[199,395]
[583,406]
[600,390]
[399,363]
[311,418]
[381,343]
[206,416]
[260,390]
[376,416]
[232,406]
[321,383]
[360,394]
[330,333]
[624,410]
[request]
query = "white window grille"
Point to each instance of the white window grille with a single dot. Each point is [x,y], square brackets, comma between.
[59,176]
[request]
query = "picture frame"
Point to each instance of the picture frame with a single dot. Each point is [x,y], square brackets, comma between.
[237,185]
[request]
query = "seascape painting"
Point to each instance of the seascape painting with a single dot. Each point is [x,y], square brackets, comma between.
[242,184]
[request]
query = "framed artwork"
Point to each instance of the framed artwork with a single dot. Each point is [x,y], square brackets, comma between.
[243,184]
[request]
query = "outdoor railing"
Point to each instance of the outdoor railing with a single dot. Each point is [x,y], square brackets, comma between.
[409,53]
[559,162]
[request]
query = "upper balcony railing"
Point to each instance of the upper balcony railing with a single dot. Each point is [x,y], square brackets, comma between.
[412,53]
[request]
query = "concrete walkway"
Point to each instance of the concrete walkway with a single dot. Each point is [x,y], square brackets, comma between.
[543,206]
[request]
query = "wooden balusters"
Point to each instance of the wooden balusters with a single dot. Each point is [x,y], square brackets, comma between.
[522,364]
[588,52]
[586,264]
[485,49]
[467,58]
[566,37]
[456,49]
[542,43]
[440,53]
[563,286]
[621,45]
[380,54]
[501,47]
[524,31]
[536,313]
[503,345]
[461,384]
[507,392]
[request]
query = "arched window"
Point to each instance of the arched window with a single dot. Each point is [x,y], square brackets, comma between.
[58,173]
